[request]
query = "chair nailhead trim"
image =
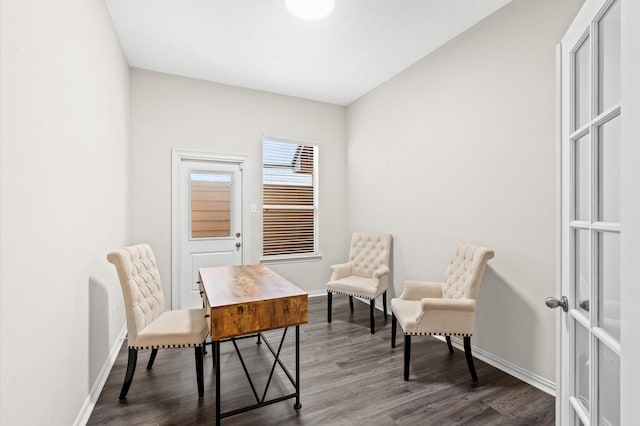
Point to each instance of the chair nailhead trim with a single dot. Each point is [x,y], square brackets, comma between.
[439,334]
[189,345]
[353,294]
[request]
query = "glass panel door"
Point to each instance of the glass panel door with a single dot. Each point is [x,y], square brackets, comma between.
[591,216]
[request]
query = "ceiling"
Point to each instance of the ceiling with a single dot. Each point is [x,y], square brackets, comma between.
[258,44]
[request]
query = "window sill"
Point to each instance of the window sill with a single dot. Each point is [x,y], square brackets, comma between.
[291,258]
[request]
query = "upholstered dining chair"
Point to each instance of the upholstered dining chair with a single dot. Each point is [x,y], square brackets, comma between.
[442,309]
[365,275]
[149,325]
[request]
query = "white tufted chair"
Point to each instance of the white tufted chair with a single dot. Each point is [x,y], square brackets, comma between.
[149,326]
[443,309]
[365,275]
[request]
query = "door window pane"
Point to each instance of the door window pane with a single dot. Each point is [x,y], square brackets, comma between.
[582,365]
[609,171]
[210,204]
[609,58]
[582,74]
[582,280]
[609,281]
[609,386]
[582,178]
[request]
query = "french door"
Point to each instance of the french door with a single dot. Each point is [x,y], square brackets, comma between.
[588,390]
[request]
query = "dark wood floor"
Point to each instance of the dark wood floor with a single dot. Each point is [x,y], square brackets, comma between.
[348,377]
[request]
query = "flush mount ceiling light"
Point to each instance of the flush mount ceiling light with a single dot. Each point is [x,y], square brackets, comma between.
[310,9]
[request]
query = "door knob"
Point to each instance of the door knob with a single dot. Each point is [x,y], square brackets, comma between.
[553,303]
[238,245]
[237,235]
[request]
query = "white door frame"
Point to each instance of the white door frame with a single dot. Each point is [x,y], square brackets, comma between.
[559,341]
[177,156]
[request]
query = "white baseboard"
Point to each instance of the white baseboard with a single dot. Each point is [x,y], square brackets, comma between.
[92,398]
[516,371]
[316,293]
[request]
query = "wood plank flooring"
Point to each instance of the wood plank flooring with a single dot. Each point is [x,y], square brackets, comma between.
[348,377]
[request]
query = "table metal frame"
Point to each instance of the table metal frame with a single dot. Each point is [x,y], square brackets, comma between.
[260,401]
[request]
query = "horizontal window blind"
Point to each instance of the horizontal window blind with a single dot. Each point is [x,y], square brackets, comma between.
[289,198]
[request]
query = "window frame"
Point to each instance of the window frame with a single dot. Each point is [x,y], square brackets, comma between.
[294,257]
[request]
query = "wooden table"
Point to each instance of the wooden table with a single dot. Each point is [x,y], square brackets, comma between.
[244,301]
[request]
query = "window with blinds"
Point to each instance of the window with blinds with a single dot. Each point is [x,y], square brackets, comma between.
[289,184]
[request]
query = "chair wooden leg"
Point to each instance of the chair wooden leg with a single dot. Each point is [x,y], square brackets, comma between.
[384,303]
[152,358]
[467,352]
[394,324]
[373,321]
[199,371]
[131,368]
[351,303]
[329,299]
[407,355]
[449,343]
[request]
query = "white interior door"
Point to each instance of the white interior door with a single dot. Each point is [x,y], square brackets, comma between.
[209,222]
[588,385]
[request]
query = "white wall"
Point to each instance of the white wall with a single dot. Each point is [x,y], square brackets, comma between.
[176,112]
[461,146]
[64,149]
